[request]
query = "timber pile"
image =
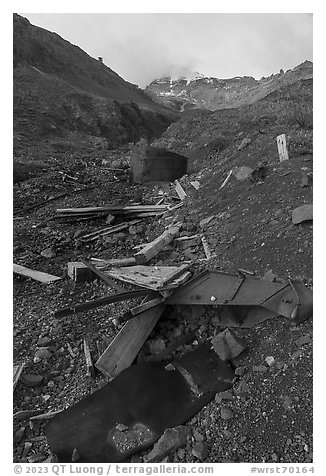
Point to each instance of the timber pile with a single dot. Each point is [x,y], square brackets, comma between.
[132,211]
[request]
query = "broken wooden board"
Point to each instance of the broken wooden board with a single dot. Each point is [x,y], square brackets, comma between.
[144,400]
[157,245]
[151,277]
[282,149]
[127,343]
[227,178]
[178,188]
[37,275]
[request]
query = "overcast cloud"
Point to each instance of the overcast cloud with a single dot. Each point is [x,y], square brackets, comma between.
[143,46]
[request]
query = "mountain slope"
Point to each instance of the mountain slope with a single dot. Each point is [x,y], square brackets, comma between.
[59,90]
[197,92]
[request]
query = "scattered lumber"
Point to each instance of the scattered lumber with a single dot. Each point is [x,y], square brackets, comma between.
[282,149]
[127,343]
[113,210]
[110,282]
[88,358]
[86,306]
[108,230]
[151,277]
[157,245]
[195,184]
[180,191]
[37,275]
[17,373]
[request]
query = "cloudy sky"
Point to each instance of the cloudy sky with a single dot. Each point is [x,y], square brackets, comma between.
[143,46]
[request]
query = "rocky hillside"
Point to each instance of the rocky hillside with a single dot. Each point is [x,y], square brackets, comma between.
[60,92]
[199,92]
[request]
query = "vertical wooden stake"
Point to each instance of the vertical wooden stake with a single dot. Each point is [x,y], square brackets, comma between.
[282,149]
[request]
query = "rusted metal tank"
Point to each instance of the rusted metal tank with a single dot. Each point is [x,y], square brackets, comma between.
[151,164]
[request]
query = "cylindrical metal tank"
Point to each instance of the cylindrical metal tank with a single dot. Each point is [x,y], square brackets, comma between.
[151,164]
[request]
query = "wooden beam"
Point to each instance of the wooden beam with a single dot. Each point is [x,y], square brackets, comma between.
[157,245]
[127,343]
[88,358]
[86,306]
[37,275]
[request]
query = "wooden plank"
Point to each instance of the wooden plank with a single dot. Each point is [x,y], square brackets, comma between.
[117,262]
[157,245]
[282,149]
[37,275]
[150,277]
[127,343]
[178,188]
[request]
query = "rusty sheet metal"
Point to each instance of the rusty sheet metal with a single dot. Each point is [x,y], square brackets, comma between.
[144,399]
[252,299]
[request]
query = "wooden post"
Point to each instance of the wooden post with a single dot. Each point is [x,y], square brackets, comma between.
[282,149]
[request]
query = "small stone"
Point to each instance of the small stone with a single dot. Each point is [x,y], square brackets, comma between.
[240,371]
[19,434]
[269,276]
[156,346]
[270,361]
[46,397]
[227,345]
[200,451]
[303,340]
[172,439]
[226,395]
[274,457]
[246,141]
[31,380]
[42,353]
[296,354]
[44,341]
[287,403]
[303,213]
[198,436]
[242,388]
[51,384]
[259,368]
[279,365]
[110,219]
[122,427]
[226,413]
[181,453]
[218,398]
[48,253]
[75,456]
[227,434]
